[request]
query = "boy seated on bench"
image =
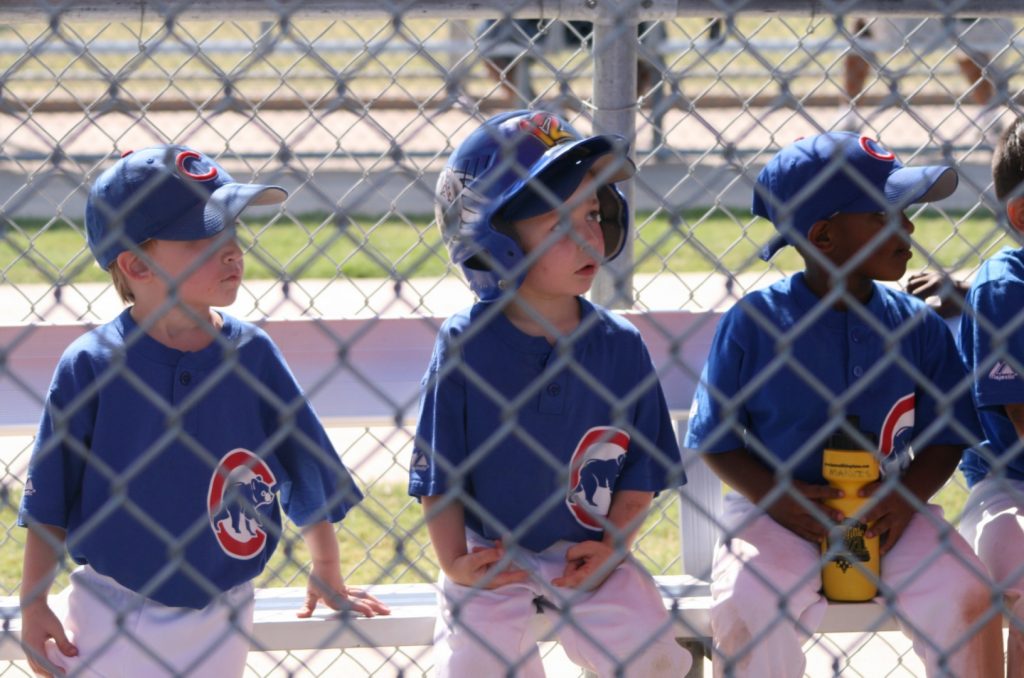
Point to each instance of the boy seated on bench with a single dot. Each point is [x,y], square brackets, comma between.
[789,364]
[543,432]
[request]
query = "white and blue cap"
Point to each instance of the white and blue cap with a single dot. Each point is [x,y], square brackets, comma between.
[818,177]
[166,192]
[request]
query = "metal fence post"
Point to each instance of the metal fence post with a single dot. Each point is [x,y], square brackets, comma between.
[615,103]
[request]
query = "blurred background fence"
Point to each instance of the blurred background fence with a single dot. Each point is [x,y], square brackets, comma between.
[354,107]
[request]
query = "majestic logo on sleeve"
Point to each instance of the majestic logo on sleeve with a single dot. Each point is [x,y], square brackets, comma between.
[593,471]
[1002,371]
[897,430]
[241,496]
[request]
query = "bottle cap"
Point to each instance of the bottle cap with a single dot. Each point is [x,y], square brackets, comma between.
[842,440]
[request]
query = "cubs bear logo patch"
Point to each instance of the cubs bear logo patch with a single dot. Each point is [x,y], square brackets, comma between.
[896,434]
[241,485]
[593,470]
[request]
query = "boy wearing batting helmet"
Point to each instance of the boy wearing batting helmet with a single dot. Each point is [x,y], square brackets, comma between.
[543,431]
[171,439]
[795,361]
[992,345]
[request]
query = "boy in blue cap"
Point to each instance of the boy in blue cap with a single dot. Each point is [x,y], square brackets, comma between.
[788,366]
[543,432]
[166,438]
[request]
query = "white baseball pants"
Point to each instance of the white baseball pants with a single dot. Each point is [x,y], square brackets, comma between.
[993,523]
[766,584]
[621,624]
[150,639]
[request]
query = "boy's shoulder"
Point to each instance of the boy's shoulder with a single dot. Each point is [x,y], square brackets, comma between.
[783,301]
[100,343]
[1005,266]
[608,321]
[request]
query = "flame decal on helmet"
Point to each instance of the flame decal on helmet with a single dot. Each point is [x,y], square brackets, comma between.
[547,128]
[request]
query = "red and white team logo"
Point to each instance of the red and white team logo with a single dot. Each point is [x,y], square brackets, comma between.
[593,470]
[547,128]
[241,484]
[876,150]
[897,430]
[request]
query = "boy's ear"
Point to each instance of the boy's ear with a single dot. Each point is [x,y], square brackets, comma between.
[1015,211]
[132,266]
[820,235]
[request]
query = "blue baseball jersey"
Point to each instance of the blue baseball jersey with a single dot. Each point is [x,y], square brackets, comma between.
[536,437]
[168,469]
[782,367]
[992,346]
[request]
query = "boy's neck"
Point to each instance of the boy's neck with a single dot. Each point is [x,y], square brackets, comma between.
[553,319]
[821,282]
[177,328]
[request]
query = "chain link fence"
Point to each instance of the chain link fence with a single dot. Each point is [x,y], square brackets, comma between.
[355,109]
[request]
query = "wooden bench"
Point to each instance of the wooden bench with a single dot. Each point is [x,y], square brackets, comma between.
[367,373]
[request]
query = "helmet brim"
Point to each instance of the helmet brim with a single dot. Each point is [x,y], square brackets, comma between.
[557,175]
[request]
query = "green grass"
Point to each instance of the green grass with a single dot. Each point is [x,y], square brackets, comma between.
[319,246]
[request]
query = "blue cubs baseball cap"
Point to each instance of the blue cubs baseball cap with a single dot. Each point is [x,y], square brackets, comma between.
[166,192]
[839,172]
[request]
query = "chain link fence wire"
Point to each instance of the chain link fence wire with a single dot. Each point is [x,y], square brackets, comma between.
[355,110]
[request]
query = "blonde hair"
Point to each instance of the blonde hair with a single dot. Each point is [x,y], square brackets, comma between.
[120,280]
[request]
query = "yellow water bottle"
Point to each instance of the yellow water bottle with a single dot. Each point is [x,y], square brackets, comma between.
[848,467]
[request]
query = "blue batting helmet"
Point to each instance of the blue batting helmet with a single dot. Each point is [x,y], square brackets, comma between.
[515,166]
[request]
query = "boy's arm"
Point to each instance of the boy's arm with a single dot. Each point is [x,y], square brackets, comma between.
[325,580]
[925,476]
[746,474]
[589,563]
[447,527]
[38,622]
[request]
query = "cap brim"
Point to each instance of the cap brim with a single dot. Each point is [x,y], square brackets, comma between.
[911,185]
[776,243]
[562,169]
[229,201]
[220,211]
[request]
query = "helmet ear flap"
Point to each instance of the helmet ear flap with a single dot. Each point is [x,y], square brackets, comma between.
[614,220]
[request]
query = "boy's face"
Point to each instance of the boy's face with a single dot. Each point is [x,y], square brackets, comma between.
[216,266]
[888,253]
[570,253]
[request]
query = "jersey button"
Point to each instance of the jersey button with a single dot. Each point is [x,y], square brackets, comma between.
[184,378]
[858,371]
[554,390]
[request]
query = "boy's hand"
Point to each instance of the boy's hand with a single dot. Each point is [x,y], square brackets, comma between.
[473,568]
[791,514]
[38,625]
[588,565]
[929,286]
[889,518]
[327,584]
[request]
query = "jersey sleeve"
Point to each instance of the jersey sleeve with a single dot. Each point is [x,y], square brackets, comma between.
[997,365]
[318,486]
[654,462]
[440,443]
[716,424]
[62,445]
[945,390]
